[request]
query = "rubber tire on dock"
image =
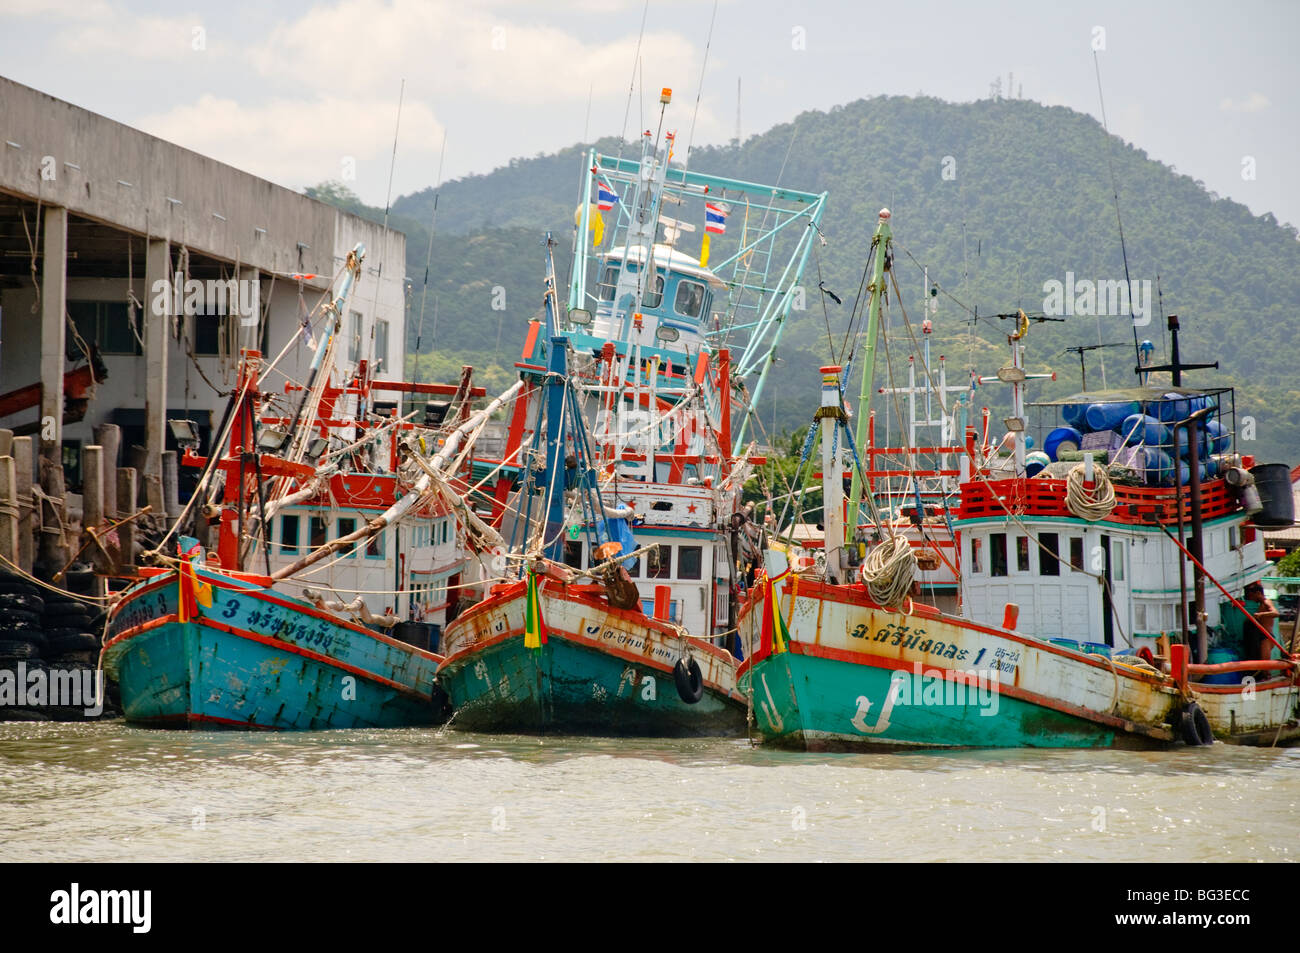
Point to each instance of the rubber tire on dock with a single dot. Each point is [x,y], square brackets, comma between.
[18,650]
[1195,727]
[61,607]
[26,601]
[73,642]
[15,620]
[689,680]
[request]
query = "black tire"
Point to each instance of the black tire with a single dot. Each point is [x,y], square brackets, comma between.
[23,601]
[80,642]
[689,680]
[14,587]
[59,607]
[18,651]
[12,620]
[1195,727]
[62,632]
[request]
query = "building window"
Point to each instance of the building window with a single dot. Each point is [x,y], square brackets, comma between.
[690,562]
[976,547]
[1076,553]
[102,324]
[353,331]
[659,562]
[998,554]
[288,534]
[689,301]
[1049,563]
[1022,554]
[207,334]
[318,532]
[381,344]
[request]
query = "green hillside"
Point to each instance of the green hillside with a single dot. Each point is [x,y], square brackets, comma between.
[1027,200]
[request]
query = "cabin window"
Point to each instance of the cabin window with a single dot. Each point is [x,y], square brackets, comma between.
[375,546]
[690,562]
[659,562]
[1049,563]
[573,554]
[318,531]
[997,554]
[347,526]
[608,282]
[976,547]
[690,299]
[654,294]
[634,570]
[1117,561]
[1022,554]
[288,534]
[1076,553]
[1139,616]
[1232,538]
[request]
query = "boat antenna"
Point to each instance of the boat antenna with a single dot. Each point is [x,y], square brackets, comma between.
[1114,185]
[428,257]
[379,273]
[699,91]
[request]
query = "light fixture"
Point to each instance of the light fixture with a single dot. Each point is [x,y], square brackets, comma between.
[317,447]
[1014,424]
[579,316]
[666,333]
[270,439]
[184,432]
[1011,374]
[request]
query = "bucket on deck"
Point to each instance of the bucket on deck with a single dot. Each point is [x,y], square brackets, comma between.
[1217,657]
[1273,481]
[413,633]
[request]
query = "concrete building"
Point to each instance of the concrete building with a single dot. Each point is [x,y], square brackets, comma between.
[96,220]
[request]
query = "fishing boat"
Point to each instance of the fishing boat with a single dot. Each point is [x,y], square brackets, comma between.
[255,631]
[620,491]
[1070,633]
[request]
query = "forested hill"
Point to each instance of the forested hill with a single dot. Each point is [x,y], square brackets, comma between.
[996,197]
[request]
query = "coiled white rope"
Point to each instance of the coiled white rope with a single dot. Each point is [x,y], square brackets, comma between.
[888,571]
[1095,504]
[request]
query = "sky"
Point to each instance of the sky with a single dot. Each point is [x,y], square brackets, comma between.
[302,92]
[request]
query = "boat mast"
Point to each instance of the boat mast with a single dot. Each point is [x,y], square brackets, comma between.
[880,247]
[831,415]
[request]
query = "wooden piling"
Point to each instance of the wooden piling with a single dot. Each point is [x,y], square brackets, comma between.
[126,505]
[24,461]
[8,511]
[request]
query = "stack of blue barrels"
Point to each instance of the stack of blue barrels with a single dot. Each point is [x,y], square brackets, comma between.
[1141,436]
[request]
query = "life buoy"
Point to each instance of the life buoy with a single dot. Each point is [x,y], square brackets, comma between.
[1195,726]
[689,680]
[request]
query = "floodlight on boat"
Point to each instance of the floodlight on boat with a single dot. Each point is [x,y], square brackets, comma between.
[317,447]
[665,333]
[184,432]
[579,316]
[1014,424]
[271,439]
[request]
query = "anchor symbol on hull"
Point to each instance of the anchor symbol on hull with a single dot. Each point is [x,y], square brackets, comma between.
[859,721]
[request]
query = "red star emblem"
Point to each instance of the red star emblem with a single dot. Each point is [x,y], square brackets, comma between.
[691,508]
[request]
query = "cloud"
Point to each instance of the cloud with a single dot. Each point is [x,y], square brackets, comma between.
[297,143]
[1253,103]
[449,49]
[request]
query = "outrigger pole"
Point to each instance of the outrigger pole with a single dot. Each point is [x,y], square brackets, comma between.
[880,246]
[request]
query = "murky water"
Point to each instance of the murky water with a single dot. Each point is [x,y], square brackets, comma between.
[111,792]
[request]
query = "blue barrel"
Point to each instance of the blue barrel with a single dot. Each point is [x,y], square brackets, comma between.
[1109,416]
[1218,657]
[1035,461]
[1062,438]
[1220,439]
[1185,447]
[1158,467]
[1174,408]
[1141,428]
[1074,414]
[1273,481]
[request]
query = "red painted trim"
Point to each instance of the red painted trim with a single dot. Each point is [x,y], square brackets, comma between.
[190,718]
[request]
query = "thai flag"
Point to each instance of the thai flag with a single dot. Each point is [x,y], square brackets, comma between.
[715,218]
[607,198]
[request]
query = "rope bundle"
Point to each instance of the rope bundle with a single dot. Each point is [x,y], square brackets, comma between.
[888,571]
[1095,504]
